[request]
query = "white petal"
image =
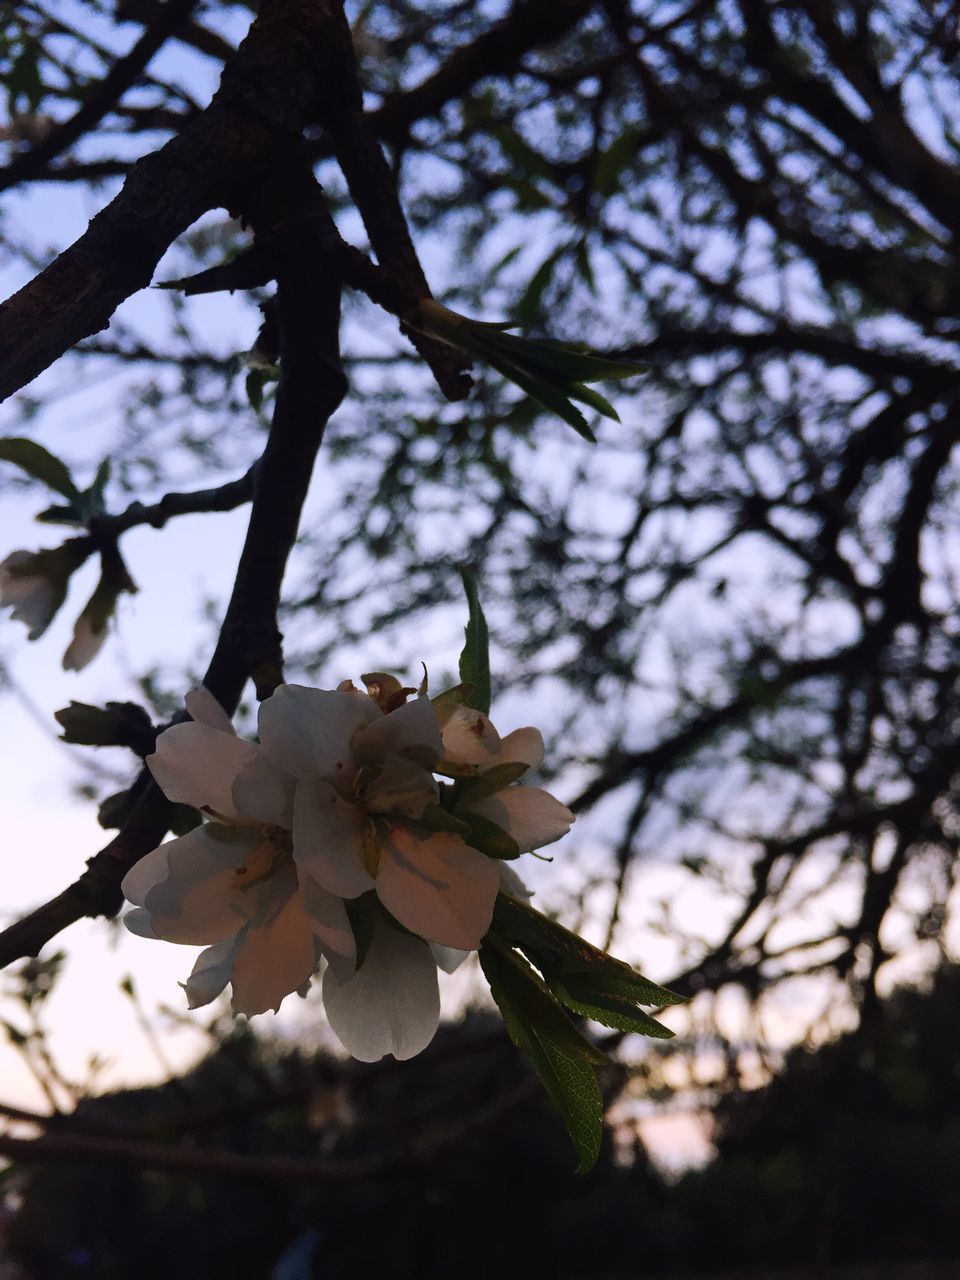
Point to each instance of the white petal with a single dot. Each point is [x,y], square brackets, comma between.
[410,731]
[470,739]
[84,646]
[391,1004]
[275,958]
[438,887]
[510,882]
[329,921]
[523,746]
[328,839]
[205,709]
[138,922]
[201,899]
[197,765]
[262,792]
[152,869]
[532,817]
[211,973]
[401,787]
[449,959]
[307,732]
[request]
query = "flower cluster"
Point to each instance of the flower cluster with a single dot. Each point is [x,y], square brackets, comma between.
[331,844]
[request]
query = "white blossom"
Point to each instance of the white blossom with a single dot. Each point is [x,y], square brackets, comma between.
[231,883]
[338,800]
[366,809]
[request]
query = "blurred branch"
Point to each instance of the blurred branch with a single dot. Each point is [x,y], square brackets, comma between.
[529,24]
[60,1146]
[122,75]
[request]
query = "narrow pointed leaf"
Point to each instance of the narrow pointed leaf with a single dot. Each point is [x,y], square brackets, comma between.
[58,514]
[541,1031]
[557,951]
[545,394]
[561,361]
[475,657]
[490,839]
[39,463]
[587,395]
[434,818]
[594,999]
[455,697]
[491,781]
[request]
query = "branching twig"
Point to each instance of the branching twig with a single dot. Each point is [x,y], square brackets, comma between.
[224,497]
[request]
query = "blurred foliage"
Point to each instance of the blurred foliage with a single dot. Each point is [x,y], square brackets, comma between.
[852,1155]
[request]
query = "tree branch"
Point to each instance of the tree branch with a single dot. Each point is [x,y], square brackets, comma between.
[62,1147]
[288,70]
[224,497]
[311,386]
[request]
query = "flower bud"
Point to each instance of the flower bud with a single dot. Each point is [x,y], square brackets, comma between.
[33,584]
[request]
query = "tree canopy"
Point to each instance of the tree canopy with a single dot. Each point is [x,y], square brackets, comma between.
[736,612]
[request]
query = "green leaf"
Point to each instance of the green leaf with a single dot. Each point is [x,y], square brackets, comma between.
[475,658]
[544,393]
[621,152]
[57,514]
[528,306]
[561,362]
[587,395]
[38,462]
[523,155]
[456,697]
[93,498]
[90,628]
[553,374]
[610,1003]
[434,818]
[531,1001]
[491,781]
[557,951]
[490,839]
[585,266]
[562,1057]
